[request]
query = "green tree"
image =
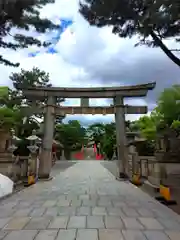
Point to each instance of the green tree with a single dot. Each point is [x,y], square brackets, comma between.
[25,79]
[4,92]
[147,18]
[13,117]
[96,132]
[24,127]
[16,98]
[176,126]
[146,125]
[134,126]
[29,78]
[109,140]
[22,15]
[71,135]
[165,115]
[169,104]
[104,134]
[8,118]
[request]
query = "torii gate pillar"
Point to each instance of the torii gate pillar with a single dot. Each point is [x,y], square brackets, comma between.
[121,137]
[46,153]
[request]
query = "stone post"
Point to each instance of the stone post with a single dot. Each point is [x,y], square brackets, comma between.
[45,163]
[63,155]
[121,137]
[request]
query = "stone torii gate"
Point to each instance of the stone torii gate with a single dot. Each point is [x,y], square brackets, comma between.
[118,108]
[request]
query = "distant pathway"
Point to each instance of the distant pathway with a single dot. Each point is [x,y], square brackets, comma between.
[85,202]
[89,153]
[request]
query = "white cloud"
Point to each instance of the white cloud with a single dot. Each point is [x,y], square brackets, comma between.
[62,8]
[95,57]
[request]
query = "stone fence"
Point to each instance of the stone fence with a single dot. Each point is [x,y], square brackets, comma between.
[156,172]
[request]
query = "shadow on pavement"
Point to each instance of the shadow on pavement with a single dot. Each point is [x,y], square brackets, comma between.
[61,166]
[111,166]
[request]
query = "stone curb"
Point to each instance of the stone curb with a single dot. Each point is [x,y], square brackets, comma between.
[45,180]
[10,194]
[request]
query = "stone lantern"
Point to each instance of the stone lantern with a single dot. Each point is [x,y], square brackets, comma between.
[33,140]
[14,171]
[13,141]
[33,164]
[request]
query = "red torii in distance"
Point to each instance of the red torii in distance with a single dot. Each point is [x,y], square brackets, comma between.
[98,156]
[80,155]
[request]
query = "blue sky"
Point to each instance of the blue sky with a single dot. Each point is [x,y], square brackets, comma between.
[88,56]
[53,37]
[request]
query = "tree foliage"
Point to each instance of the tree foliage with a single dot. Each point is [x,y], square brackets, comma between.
[169,104]
[146,125]
[23,16]
[166,115]
[72,135]
[154,21]
[30,78]
[14,101]
[176,126]
[25,79]
[8,117]
[109,140]
[104,134]
[96,132]
[4,92]
[12,116]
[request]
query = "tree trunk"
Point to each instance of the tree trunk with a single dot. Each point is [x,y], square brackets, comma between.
[158,41]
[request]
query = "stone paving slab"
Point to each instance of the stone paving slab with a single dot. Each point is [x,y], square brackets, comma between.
[86,202]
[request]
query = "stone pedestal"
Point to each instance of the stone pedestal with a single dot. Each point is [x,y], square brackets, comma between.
[165,173]
[24,160]
[157,169]
[62,155]
[33,165]
[154,173]
[133,161]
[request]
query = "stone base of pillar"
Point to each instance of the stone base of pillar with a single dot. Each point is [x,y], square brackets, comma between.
[122,176]
[45,177]
[45,165]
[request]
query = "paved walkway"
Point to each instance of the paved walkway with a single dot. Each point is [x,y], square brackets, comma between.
[85,202]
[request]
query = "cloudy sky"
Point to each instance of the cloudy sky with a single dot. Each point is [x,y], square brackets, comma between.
[88,56]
